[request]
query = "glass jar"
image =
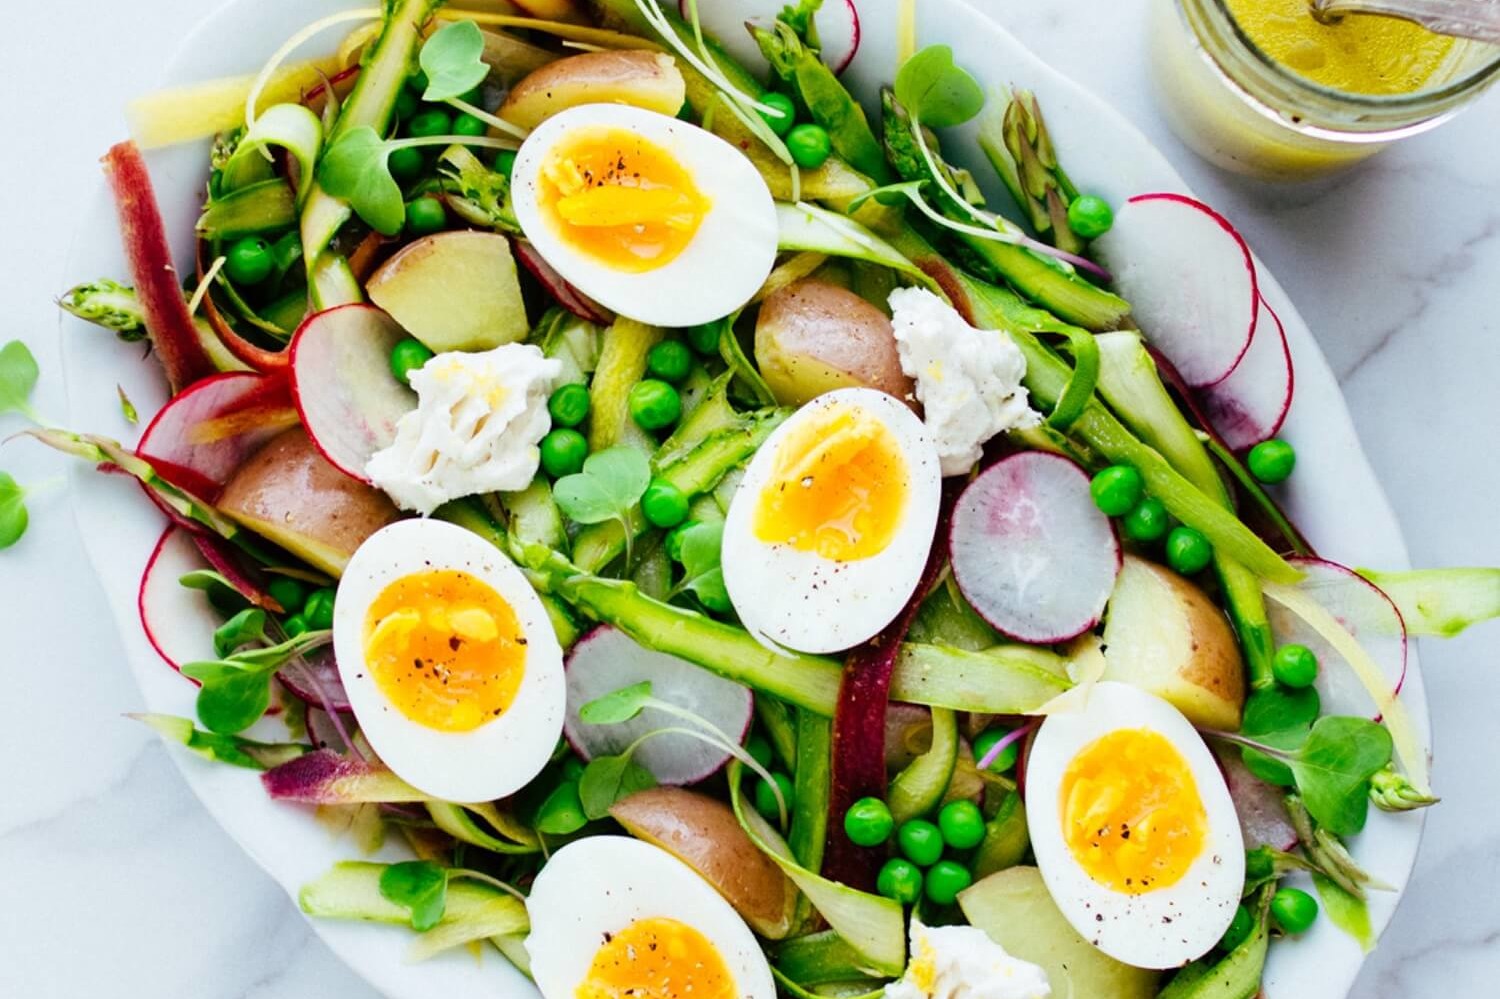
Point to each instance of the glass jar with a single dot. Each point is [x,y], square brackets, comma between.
[1241,110]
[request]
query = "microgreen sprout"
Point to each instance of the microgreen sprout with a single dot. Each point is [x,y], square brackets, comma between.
[420,886]
[13,516]
[236,689]
[453,61]
[611,484]
[18,375]
[703,573]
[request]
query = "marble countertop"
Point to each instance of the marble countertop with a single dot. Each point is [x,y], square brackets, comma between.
[118,884]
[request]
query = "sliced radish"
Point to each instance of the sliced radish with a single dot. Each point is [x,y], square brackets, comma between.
[178,621]
[1030,550]
[558,287]
[1250,405]
[343,386]
[227,561]
[1366,613]
[837,23]
[314,680]
[606,659]
[1261,808]
[205,433]
[1190,281]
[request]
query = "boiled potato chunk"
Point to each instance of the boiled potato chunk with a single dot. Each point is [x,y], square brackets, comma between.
[1163,635]
[291,496]
[703,833]
[813,337]
[454,291]
[1014,908]
[642,79]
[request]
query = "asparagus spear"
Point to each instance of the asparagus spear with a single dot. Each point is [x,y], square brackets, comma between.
[1014,138]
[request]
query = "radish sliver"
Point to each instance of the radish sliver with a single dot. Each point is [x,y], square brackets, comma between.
[178,621]
[1251,404]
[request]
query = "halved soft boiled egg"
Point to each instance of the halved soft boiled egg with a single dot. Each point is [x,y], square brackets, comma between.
[449,661]
[653,217]
[613,916]
[829,531]
[1133,828]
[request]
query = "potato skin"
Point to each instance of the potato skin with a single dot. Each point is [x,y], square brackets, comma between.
[642,79]
[288,493]
[703,833]
[812,337]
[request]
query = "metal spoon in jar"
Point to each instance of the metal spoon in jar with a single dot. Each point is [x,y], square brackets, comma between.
[1476,19]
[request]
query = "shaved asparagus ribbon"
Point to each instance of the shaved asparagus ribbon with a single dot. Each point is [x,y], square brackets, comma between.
[293,44]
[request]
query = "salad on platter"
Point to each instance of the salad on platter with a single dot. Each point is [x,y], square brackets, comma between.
[728,555]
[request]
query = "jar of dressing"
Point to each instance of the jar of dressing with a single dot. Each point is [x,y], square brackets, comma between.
[1260,87]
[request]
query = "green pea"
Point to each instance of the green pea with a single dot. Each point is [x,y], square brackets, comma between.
[407,104]
[569,405]
[429,123]
[664,504]
[704,338]
[407,356]
[425,216]
[563,451]
[1239,930]
[1293,910]
[670,360]
[1272,461]
[249,261]
[1117,489]
[288,592]
[1090,216]
[900,880]
[319,609]
[407,163]
[654,404]
[765,798]
[920,841]
[417,82]
[685,113]
[505,162]
[868,822]
[1188,551]
[986,742]
[782,123]
[294,626]
[1146,521]
[468,125]
[1295,666]
[809,145]
[759,748]
[962,824]
[945,879]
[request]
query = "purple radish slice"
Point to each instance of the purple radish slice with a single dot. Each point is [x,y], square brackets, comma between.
[1260,806]
[342,384]
[1364,610]
[314,680]
[227,561]
[1251,404]
[1031,552]
[329,731]
[1190,281]
[607,659]
[324,777]
[558,287]
[725,21]
[178,621]
[199,439]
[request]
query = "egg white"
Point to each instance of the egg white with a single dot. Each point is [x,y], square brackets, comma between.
[1165,928]
[803,601]
[498,757]
[601,885]
[722,267]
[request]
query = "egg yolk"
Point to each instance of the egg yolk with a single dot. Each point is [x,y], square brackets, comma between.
[837,487]
[657,958]
[620,199]
[445,649]
[1131,814]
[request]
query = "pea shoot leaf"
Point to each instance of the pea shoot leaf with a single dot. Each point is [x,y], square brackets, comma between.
[356,168]
[233,697]
[453,61]
[1333,770]
[612,481]
[607,779]
[620,706]
[1280,717]
[18,374]
[703,573]
[13,515]
[561,813]
[418,885]
[248,626]
[936,92]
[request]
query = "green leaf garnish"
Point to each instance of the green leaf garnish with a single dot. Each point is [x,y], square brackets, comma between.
[248,626]
[127,408]
[562,812]
[418,885]
[13,515]
[18,375]
[703,573]
[936,92]
[607,779]
[229,749]
[236,689]
[612,481]
[356,168]
[620,706]
[453,61]
[1346,911]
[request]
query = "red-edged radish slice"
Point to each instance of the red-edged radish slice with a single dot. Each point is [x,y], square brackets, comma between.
[837,22]
[1366,613]
[557,286]
[1030,550]
[1251,404]
[178,621]
[607,659]
[226,560]
[343,386]
[1261,808]
[205,433]
[1190,281]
